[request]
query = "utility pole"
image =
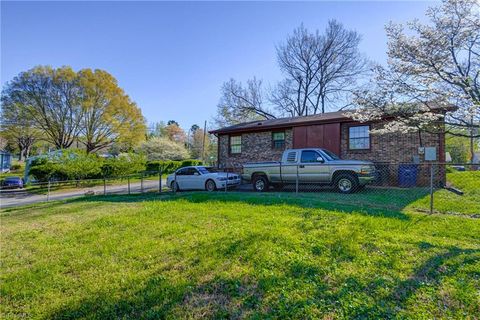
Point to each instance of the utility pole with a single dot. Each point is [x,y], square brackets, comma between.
[203,143]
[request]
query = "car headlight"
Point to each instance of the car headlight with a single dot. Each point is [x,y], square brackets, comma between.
[222,179]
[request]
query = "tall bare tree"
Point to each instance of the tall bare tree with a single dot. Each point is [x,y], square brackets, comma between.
[320,70]
[239,103]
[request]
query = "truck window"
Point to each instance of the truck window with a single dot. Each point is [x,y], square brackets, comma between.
[309,156]
[292,156]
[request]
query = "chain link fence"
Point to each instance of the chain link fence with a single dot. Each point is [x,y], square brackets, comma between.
[144,182]
[426,187]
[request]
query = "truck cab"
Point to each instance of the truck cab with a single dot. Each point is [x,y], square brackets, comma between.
[310,166]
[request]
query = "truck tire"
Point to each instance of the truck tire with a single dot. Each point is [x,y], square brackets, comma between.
[260,183]
[346,183]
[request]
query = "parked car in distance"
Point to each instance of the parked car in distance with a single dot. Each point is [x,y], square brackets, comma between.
[12,183]
[315,166]
[201,178]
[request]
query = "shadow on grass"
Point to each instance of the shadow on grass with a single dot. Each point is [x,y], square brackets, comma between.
[244,296]
[314,201]
[428,274]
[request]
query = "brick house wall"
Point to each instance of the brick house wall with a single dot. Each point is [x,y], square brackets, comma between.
[256,146]
[388,147]
[391,148]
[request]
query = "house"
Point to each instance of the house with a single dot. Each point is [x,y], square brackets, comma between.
[265,140]
[5,161]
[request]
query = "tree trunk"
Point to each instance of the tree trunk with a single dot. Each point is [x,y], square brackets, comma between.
[323,103]
[472,147]
[472,142]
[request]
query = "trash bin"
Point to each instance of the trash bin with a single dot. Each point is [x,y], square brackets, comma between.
[407,175]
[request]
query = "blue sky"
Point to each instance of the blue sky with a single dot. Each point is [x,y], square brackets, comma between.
[172,57]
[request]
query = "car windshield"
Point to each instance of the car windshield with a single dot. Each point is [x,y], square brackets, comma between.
[206,170]
[330,155]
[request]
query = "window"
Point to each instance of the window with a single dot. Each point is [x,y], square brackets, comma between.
[235,144]
[207,170]
[292,156]
[191,172]
[278,140]
[330,155]
[182,172]
[310,156]
[359,138]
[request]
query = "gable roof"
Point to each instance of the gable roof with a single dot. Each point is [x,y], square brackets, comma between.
[279,123]
[321,118]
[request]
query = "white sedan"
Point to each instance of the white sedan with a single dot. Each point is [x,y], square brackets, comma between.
[201,178]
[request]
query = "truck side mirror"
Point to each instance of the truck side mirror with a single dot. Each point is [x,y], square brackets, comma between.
[320,159]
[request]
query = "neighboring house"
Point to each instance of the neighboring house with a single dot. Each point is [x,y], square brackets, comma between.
[5,161]
[265,140]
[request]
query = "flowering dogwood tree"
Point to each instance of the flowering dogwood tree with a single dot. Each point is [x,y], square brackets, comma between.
[431,68]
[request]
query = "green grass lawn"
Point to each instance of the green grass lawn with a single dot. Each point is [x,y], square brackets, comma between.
[235,255]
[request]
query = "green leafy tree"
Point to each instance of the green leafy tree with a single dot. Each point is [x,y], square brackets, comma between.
[67,106]
[108,113]
[17,128]
[51,98]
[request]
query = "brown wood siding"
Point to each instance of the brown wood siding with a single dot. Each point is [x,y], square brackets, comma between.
[325,136]
[299,137]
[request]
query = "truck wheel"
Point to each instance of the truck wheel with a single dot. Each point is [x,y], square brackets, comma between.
[346,183]
[260,183]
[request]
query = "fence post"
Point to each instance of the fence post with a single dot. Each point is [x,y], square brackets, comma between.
[159,178]
[141,182]
[174,188]
[104,186]
[128,181]
[296,182]
[226,182]
[431,188]
[48,190]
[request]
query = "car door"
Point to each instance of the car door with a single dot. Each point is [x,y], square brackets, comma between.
[181,178]
[312,167]
[289,167]
[196,179]
[191,179]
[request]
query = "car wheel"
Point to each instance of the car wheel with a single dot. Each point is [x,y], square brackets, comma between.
[260,184]
[174,186]
[210,186]
[346,183]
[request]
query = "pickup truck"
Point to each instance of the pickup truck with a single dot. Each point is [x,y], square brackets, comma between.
[310,166]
